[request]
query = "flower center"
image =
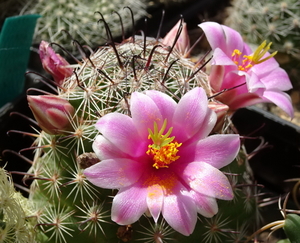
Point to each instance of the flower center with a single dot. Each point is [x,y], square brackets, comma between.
[256,58]
[163,149]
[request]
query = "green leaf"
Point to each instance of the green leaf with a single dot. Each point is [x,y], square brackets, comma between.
[284,241]
[292,228]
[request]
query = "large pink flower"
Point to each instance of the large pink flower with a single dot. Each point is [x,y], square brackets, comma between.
[162,161]
[234,64]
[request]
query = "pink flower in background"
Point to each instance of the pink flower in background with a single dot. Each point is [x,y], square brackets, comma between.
[53,63]
[183,42]
[256,75]
[162,160]
[51,112]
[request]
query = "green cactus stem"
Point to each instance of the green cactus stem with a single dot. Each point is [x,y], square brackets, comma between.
[78,18]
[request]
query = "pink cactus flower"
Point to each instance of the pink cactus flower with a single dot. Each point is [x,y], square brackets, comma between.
[162,160]
[53,63]
[51,112]
[183,43]
[251,77]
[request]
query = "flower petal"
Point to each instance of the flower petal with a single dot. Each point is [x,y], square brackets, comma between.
[221,58]
[104,149]
[223,37]
[189,115]
[129,204]
[179,210]
[206,179]
[119,129]
[216,77]
[210,122]
[277,79]
[254,84]
[236,101]
[206,206]
[216,150]
[265,67]
[165,103]
[155,199]
[144,112]
[234,40]
[280,99]
[114,173]
[235,81]
[214,34]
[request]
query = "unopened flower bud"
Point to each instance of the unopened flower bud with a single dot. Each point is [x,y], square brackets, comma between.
[221,111]
[51,112]
[183,41]
[53,63]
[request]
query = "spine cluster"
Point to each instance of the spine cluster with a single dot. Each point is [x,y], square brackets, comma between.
[62,18]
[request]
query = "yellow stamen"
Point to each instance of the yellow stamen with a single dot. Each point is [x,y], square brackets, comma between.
[261,51]
[256,58]
[163,149]
[235,55]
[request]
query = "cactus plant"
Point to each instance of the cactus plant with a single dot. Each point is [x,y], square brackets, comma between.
[78,18]
[67,206]
[15,223]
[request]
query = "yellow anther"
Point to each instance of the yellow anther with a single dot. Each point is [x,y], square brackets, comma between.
[251,60]
[164,156]
[236,52]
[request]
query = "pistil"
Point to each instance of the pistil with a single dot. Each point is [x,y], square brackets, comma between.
[164,149]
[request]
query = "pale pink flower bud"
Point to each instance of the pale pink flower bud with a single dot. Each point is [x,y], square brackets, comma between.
[51,112]
[53,63]
[221,111]
[183,43]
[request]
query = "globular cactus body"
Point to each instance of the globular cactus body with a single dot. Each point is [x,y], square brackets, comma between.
[79,19]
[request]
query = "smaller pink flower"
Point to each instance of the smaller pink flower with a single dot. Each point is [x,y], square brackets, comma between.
[51,112]
[53,63]
[183,43]
[162,160]
[251,77]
